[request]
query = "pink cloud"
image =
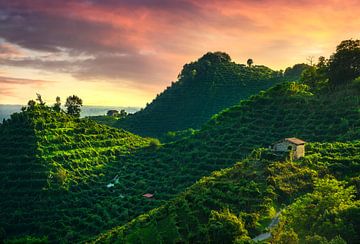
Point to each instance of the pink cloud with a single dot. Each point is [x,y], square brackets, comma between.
[147,42]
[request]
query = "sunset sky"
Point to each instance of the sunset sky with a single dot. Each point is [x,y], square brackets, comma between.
[124,52]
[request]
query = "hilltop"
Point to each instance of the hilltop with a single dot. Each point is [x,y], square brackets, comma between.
[204,88]
[238,203]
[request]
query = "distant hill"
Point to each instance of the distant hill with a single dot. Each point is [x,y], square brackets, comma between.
[6,110]
[238,203]
[204,88]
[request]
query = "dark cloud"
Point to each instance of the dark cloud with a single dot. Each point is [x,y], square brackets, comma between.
[139,40]
[110,67]
[45,32]
[114,55]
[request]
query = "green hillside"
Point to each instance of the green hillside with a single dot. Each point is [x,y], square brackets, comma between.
[204,88]
[70,162]
[69,179]
[237,203]
[53,174]
[290,109]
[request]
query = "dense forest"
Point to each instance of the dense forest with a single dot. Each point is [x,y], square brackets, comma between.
[66,179]
[204,88]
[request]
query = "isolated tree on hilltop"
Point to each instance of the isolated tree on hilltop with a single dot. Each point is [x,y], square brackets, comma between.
[57,105]
[249,62]
[73,105]
[344,64]
[31,104]
[39,99]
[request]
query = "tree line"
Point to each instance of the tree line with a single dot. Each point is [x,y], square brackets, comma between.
[340,68]
[73,104]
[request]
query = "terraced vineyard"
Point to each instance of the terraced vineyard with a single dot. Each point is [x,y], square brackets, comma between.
[81,178]
[52,180]
[247,196]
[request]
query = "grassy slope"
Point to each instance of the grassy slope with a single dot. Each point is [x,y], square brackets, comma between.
[53,180]
[204,88]
[163,170]
[252,189]
[283,111]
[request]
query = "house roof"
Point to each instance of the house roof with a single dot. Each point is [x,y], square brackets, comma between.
[295,140]
[148,195]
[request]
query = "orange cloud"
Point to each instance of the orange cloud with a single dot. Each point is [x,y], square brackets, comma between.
[143,44]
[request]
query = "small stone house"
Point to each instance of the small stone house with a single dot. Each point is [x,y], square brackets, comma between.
[293,144]
[112,113]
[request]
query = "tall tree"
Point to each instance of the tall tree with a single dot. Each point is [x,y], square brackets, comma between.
[249,62]
[39,99]
[73,105]
[57,105]
[344,64]
[31,104]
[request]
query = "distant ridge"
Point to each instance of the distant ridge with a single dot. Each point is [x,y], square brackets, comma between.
[87,110]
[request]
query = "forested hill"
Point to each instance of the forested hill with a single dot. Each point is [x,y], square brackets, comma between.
[204,88]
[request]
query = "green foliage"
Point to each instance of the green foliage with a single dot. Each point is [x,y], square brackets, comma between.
[172,136]
[154,143]
[73,105]
[286,237]
[225,227]
[94,156]
[106,120]
[314,78]
[316,239]
[54,175]
[204,88]
[294,73]
[28,240]
[344,64]
[325,211]
[57,105]
[250,190]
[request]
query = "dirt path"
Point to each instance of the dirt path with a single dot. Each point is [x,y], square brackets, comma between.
[267,235]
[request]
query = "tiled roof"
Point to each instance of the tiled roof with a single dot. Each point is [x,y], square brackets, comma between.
[295,141]
[148,195]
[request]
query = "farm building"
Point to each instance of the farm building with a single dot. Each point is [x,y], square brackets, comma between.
[112,113]
[293,144]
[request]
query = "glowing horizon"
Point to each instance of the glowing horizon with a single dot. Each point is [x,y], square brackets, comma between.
[123,53]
